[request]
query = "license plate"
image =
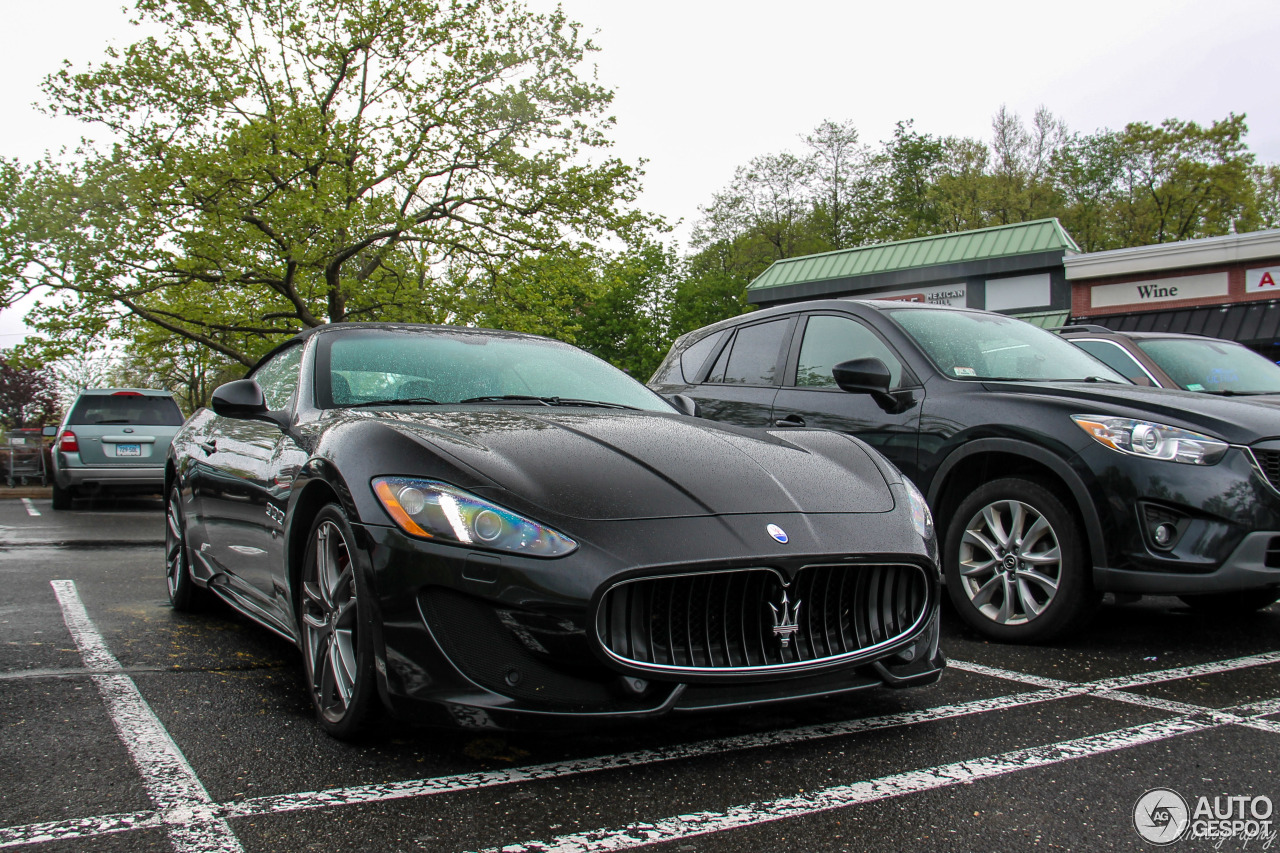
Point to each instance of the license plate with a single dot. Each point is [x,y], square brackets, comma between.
[128,450]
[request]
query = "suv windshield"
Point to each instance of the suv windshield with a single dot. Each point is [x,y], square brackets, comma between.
[975,345]
[126,408]
[1213,366]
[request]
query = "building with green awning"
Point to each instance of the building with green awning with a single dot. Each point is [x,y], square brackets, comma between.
[1015,269]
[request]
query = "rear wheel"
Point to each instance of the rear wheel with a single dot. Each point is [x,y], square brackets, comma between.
[1015,563]
[1232,603]
[62,497]
[184,593]
[334,614]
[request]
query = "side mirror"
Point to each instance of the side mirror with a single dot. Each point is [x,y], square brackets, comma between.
[241,399]
[862,376]
[869,376]
[684,405]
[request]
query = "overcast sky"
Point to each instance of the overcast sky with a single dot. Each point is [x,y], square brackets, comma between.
[702,87]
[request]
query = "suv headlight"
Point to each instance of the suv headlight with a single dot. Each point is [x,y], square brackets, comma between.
[435,510]
[1152,440]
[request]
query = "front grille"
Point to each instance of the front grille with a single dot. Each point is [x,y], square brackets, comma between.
[1269,464]
[724,621]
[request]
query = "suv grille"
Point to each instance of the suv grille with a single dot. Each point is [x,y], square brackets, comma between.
[725,621]
[1269,464]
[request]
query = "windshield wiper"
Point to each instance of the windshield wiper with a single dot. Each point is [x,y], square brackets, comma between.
[399,401]
[543,401]
[1227,392]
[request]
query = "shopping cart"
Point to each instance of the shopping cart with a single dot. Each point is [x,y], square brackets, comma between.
[26,456]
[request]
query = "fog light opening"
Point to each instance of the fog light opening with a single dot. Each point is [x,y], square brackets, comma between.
[1164,535]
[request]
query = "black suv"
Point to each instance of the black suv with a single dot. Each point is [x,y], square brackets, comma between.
[1053,479]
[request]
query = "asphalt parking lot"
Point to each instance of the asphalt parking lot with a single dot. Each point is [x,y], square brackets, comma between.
[128,726]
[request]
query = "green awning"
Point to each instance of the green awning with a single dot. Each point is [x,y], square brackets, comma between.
[1041,235]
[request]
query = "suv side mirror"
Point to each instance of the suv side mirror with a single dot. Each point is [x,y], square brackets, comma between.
[862,376]
[241,399]
[869,376]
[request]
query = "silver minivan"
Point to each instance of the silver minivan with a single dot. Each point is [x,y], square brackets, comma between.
[113,440]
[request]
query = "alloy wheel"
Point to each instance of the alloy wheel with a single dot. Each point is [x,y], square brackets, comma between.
[1010,562]
[330,622]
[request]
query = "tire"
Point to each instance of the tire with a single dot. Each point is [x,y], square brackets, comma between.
[1015,563]
[184,593]
[62,497]
[1232,603]
[334,615]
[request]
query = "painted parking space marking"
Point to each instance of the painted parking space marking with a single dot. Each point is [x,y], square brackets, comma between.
[181,797]
[31,507]
[183,804]
[843,796]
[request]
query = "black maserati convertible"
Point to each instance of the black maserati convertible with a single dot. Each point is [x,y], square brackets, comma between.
[490,529]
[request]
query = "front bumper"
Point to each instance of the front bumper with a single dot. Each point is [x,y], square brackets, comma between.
[484,640]
[1225,521]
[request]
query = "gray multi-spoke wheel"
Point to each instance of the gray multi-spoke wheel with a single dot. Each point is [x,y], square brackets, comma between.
[184,594]
[1015,562]
[333,620]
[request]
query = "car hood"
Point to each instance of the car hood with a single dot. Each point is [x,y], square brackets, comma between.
[604,464]
[1238,420]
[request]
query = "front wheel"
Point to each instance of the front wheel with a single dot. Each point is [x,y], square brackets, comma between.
[335,616]
[184,593]
[1015,563]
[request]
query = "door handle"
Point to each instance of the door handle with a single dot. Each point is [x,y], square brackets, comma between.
[208,446]
[790,421]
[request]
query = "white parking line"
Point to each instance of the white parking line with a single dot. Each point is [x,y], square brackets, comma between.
[31,507]
[1188,718]
[184,806]
[843,796]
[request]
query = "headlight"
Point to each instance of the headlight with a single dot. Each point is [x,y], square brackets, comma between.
[434,510]
[1152,441]
[920,515]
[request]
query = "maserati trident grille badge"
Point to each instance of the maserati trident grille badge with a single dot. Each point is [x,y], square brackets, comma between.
[777,533]
[785,621]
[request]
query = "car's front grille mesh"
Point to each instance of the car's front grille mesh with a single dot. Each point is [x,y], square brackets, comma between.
[724,620]
[1269,463]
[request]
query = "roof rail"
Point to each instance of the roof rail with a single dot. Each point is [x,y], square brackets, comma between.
[1082,327]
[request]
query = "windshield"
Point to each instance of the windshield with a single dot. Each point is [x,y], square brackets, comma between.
[973,345]
[442,367]
[1213,366]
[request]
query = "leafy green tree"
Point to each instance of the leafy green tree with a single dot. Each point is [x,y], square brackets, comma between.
[628,325]
[1181,180]
[277,164]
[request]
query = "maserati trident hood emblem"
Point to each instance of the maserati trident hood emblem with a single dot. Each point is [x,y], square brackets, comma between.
[785,621]
[777,533]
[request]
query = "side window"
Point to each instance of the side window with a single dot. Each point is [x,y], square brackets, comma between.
[692,359]
[829,340]
[1115,357]
[279,377]
[752,358]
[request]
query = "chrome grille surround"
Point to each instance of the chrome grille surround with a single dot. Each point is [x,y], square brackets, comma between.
[721,622]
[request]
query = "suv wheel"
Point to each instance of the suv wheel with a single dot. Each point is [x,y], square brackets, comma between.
[1014,562]
[62,497]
